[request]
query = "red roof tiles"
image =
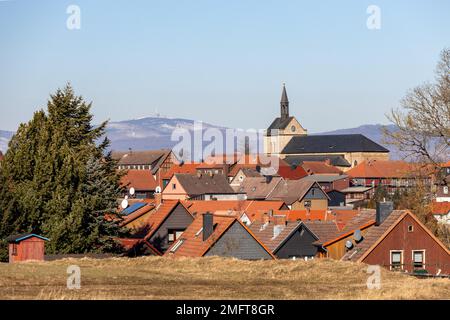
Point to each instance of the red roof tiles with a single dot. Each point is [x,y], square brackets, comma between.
[140,180]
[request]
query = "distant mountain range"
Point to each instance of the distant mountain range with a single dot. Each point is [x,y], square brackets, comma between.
[156,132]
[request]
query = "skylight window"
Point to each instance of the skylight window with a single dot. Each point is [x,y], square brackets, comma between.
[199,231]
[176,246]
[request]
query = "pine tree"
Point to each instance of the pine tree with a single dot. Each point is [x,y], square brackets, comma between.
[57,180]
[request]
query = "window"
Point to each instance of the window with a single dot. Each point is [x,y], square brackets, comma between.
[396,260]
[307,203]
[174,186]
[410,228]
[445,190]
[174,235]
[293,129]
[418,259]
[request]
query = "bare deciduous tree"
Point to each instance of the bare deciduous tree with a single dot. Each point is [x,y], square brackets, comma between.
[423,122]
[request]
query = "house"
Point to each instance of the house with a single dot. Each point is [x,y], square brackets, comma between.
[339,217]
[219,235]
[399,241]
[286,137]
[135,216]
[286,239]
[135,247]
[242,174]
[392,175]
[441,211]
[139,184]
[252,209]
[258,188]
[334,246]
[182,167]
[330,182]
[319,168]
[300,194]
[26,246]
[324,231]
[337,198]
[157,161]
[200,187]
[355,195]
[167,224]
[338,161]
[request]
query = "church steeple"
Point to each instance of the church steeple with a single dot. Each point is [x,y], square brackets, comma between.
[284,104]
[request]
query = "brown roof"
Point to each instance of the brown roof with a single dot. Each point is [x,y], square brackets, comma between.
[372,235]
[266,232]
[363,220]
[290,191]
[204,184]
[141,180]
[160,215]
[318,167]
[192,238]
[148,157]
[324,230]
[258,187]
[138,213]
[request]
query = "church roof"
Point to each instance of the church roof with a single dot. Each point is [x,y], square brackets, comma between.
[332,144]
[280,124]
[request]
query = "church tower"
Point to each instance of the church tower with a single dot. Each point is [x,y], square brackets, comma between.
[282,129]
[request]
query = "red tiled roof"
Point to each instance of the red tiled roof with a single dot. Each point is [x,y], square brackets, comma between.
[291,172]
[193,244]
[139,179]
[442,208]
[382,169]
[252,208]
[190,167]
[129,243]
[160,215]
[317,167]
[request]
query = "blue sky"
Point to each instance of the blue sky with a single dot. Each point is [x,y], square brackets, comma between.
[220,61]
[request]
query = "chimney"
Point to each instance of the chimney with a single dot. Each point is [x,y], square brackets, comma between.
[158,198]
[208,225]
[384,209]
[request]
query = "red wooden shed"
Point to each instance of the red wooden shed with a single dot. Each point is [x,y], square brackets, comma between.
[26,246]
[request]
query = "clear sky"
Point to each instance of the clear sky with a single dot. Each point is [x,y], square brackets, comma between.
[220,61]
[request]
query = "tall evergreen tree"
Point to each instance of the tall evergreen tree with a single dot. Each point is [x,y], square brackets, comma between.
[57,180]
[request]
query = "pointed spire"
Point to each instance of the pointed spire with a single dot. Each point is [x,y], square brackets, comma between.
[284,104]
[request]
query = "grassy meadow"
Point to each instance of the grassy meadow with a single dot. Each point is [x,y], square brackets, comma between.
[210,278]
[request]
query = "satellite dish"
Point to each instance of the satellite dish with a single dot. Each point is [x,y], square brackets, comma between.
[348,244]
[158,189]
[357,236]
[124,204]
[132,191]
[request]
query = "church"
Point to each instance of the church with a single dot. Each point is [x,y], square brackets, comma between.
[289,140]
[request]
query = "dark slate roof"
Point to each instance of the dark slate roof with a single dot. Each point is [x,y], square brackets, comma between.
[331,144]
[266,233]
[279,123]
[204,184]
[23,236]
[335,160]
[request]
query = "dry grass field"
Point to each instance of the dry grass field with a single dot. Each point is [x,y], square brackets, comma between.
[210,278]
